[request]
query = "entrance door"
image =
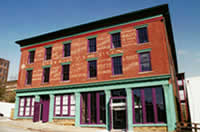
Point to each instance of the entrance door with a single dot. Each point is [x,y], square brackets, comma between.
[36,116]
[118,116]
[41,109]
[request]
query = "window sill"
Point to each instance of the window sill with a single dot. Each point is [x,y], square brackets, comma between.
[67,81]
[118,48]
[44,83]
[92,78]
[144,43]
[145,72]
[150,124]
[64,117]
[66,57]
[118,75]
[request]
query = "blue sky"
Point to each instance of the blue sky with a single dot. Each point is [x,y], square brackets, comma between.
[28,18]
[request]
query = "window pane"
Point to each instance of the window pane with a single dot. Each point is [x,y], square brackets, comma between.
[22,102]
[65,72]
[65,110]
[72,98]
[57,100]
[32,112]
[27,112]
[149,105]
[21,111]
[93,108]
[65,100]
[28,101]
[117,65]
[67,48]
[138,105]
[142,35]
[92,68]
[48,53]
[31,56]
[160,105]
[72,110]
[29,77]
[46,74]
[102,108]
[145,61]
[116,41]
[33,101]
[92,45]
[84,108]
[57,110]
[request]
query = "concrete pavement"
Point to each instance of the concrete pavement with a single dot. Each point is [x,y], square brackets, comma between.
[29,126]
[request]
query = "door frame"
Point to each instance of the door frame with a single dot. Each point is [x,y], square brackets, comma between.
[111,114]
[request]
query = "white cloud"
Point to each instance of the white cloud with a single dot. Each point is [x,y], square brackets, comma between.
[182,52]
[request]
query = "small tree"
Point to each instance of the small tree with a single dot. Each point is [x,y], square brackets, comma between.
[2,91]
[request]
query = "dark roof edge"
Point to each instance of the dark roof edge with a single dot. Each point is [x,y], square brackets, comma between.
[147,11]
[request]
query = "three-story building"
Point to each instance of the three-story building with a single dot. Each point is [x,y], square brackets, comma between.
[115,73]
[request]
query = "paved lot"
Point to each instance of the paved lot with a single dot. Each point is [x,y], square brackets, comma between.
[7,125]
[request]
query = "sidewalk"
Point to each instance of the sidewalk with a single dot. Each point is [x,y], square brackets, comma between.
[45,127]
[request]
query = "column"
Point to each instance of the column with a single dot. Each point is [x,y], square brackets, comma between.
[16,107]
[37,98]
[108,95]
[170,109]
[77,115]
[129,109]
[51,107]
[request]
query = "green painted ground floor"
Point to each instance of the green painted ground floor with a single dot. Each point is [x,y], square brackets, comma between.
[130,104]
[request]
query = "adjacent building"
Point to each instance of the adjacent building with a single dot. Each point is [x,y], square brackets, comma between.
[4,66]
[115,73]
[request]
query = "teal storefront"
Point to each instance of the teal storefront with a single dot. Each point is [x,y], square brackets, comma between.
[118,104]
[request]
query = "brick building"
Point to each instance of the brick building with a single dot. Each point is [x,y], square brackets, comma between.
[4,66]
[115,73]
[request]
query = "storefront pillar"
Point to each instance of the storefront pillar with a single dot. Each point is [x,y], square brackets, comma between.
[77,115]
[51,107]
[16,107]
[129,109]
[108,95]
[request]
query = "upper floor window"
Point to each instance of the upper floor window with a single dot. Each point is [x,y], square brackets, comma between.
[46,74]
[142,35]
[92,45]
[31,56]
[65,72]
[29,76]
[64,105]
[92,65]
[26,106]
[116,40]
[117,65]
[48,53]
[67,49]
[145,61]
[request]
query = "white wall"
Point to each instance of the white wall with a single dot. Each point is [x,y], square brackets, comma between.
[193,89]
[5,108]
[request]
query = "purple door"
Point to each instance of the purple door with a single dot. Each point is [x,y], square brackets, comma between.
[36,116]
[45,111]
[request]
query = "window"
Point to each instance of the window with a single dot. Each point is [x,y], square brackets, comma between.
[48,53]
[117,65]
[29,76]
[67,48]
[31,56]
[148,105]
[93,109]
[92,65]
[92,45]
[65,72]
[26,106]
[64,105]
[46,73]
[116,41]
[145,61]
[142,35]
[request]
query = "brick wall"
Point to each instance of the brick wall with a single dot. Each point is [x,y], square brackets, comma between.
[150,129]
[79,54]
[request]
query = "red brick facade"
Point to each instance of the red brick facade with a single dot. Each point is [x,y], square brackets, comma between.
[79,56]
